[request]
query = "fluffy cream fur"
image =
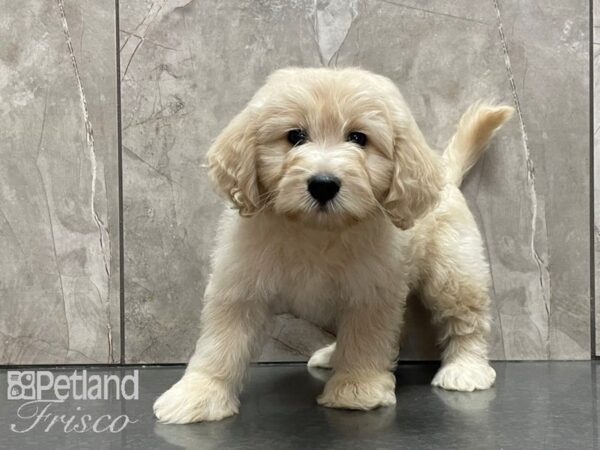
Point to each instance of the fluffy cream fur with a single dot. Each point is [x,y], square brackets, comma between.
[398,223]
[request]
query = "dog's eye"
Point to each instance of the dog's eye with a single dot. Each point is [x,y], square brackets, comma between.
[358,138]
[297,137]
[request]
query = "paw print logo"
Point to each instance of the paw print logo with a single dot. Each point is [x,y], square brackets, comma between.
[21,385]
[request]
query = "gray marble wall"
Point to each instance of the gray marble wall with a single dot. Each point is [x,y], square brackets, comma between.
[186,68]
[59,222]
[596,169]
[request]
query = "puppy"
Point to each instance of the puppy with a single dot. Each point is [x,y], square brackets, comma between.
[343,210]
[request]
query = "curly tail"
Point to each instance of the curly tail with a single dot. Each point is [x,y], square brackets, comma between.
[475,129]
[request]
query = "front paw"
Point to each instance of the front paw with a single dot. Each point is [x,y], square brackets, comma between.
[195,398]
[364,392]
[463,376]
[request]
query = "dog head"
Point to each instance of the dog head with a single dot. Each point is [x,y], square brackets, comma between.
[328,148]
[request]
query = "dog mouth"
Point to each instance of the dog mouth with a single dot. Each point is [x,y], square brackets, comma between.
[331,215]
[327,208]
[321,206]
[330,209]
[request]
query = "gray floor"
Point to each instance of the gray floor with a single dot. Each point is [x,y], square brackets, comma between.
[541,405]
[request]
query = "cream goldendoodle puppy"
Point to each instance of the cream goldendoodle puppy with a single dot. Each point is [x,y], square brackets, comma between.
[343,209]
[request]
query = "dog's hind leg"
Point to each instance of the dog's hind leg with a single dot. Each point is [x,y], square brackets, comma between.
[322,357]
[454,286]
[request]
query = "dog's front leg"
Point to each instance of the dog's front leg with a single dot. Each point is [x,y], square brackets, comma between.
[364,357]
[232,329]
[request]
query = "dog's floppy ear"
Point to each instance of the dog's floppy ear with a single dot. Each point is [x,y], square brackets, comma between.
[232,162]
[417,178]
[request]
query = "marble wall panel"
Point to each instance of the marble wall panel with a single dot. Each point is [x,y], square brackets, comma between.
[59,221]
[548,63]
[187,67]
[596,152]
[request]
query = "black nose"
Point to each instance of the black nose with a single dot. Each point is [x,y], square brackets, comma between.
[323,187]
